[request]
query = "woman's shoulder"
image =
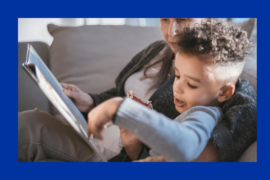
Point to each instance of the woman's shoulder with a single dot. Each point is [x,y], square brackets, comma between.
[243,103]
[243,85]
[244,94]
[158,42]
[157,45]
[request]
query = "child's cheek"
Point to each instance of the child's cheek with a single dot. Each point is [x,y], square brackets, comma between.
[174,86]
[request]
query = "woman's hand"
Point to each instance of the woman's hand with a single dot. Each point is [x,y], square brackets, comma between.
[101,115]
[132,145]
[82,100]
[153,159]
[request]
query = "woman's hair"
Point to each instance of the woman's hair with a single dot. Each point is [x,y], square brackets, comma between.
[165,58]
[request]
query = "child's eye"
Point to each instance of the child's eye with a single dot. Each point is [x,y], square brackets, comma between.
[177,77]
[193,87]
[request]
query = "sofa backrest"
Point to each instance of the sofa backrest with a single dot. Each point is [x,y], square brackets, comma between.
[91,57]
[250,68]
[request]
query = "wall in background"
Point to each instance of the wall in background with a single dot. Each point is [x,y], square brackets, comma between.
[35,29]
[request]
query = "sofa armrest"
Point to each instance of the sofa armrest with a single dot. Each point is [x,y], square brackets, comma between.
[29,94]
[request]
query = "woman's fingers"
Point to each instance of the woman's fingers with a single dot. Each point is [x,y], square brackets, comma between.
[65,86]
[152,159]
[72,94]
[70,87]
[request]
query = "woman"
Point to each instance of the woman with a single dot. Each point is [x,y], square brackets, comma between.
[150,74]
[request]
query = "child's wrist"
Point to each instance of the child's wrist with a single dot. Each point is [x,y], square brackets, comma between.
[114,104]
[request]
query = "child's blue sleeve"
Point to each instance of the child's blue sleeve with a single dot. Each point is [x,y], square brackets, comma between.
[180,140]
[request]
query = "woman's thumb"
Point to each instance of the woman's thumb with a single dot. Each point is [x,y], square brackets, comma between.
[71,94]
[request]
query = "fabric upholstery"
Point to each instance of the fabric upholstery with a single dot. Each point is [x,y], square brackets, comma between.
[250,155]
[250,73]
[250,68]
[92,56]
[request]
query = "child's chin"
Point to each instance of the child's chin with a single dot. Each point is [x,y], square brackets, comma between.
[179,109]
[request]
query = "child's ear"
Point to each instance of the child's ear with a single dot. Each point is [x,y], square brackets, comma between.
[226,93]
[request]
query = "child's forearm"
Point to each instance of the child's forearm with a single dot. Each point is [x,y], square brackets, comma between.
[176,141]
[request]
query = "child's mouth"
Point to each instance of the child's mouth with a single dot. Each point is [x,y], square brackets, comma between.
[178,102]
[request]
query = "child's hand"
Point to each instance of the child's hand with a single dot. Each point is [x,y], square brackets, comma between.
[132,145]
[101,115]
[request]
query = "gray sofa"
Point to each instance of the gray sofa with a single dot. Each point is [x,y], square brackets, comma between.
[92,56]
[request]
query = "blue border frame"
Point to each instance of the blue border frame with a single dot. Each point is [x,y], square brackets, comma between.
[10,12]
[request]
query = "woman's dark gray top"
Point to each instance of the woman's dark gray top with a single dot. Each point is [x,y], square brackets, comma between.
[231,137]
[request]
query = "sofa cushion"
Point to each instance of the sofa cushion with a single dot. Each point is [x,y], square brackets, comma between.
[91,57]
[250,155]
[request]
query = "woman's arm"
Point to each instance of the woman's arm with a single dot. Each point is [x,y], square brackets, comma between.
[238,129]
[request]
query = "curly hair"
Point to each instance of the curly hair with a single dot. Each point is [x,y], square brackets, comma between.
[217,40]
[226,47]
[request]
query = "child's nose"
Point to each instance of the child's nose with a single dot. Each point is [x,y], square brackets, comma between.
[178,87]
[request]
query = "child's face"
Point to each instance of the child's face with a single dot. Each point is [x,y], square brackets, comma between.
[194,84]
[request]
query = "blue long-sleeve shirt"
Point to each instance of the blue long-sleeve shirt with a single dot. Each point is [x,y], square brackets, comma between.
[180,140]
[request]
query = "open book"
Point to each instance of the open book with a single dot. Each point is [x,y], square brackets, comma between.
[46,81]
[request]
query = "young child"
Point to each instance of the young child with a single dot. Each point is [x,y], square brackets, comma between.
[208,64]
